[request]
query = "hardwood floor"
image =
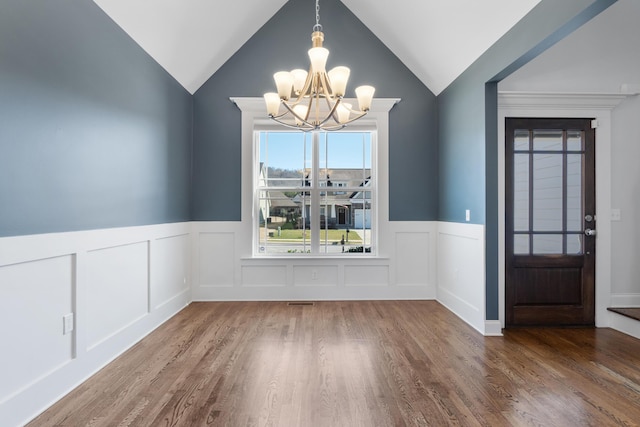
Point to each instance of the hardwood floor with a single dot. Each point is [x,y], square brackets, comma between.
[374,363]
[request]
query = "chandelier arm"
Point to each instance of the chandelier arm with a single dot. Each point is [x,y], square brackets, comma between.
[317,109]
[332,128]
[323,91]
[295,115]
[296,127]
[306,89]
[354,119]
[332,111]
[326,84]
[280,115]
[351,110]
[310,100]
[325,87]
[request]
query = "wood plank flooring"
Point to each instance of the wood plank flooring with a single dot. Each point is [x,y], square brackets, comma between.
[372,363]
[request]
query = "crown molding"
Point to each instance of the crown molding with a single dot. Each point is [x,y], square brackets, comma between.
[561,100]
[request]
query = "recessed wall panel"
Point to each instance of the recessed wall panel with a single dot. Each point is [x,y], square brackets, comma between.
[263,275]
[366,275]
[412,252]
[170,263]
[34,296]
[308,275]
[216,260]
[116,289]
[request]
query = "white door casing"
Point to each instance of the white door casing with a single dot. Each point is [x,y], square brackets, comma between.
[570,105]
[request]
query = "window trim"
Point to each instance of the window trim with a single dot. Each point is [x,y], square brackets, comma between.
[315,243]
[253,115]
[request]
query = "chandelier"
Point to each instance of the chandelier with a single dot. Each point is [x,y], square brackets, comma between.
[314,100]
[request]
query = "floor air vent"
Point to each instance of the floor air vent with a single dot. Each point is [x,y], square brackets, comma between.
[300,303]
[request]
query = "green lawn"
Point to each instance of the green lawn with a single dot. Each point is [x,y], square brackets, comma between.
[333,236]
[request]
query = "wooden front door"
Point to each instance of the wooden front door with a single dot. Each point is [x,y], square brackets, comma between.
[550,222]
[342,215]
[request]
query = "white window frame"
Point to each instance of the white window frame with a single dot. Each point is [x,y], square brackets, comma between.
[254,117]
[317,246]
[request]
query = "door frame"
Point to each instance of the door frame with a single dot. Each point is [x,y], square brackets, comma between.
[569,105]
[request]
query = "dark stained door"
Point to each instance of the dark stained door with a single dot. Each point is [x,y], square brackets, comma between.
[342,215]
[550,222]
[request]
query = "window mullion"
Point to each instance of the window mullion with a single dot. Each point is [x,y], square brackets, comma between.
[315,194]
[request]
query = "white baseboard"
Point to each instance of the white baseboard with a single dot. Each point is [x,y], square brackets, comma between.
[625,300]
[492,328]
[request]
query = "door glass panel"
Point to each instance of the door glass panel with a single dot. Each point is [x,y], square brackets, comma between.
[547,192]
[521,244]
[547,139]
[574,192]
[521,192]
[547,244]
[521,140]
[574,244]
[574,140]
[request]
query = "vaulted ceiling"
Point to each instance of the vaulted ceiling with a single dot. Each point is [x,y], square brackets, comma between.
[436,39]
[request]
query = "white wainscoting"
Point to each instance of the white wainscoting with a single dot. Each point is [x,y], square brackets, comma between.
[461,273]
[119,284]
[122,283]
[224,269]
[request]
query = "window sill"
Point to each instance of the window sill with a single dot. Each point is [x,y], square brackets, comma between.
[315,258]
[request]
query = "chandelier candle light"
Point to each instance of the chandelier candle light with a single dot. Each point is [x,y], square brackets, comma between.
[304,95]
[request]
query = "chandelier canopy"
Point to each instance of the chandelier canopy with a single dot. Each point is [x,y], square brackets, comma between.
[314,100]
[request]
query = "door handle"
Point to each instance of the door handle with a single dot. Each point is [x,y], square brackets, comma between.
[589,232]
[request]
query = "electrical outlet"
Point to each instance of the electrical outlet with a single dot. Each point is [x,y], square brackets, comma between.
[615,214]
[67,323]
[467,215]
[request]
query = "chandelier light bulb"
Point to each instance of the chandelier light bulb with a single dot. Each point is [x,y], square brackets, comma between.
[272,100]
[365,97]
[338,78]
[318,57]
[299,78]
[343,111]
[301,111]
[284,83]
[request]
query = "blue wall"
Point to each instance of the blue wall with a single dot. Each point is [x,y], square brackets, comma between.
[282,43]
[468,132]
[93,132]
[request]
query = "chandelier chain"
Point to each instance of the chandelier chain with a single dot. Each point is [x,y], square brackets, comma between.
[317,27]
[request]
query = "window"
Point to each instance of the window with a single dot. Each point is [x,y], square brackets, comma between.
[297,207]
[254,123]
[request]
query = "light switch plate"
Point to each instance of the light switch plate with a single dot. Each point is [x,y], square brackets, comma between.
[67,323]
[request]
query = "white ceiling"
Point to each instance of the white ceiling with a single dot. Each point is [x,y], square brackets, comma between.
[436,39]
